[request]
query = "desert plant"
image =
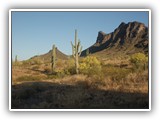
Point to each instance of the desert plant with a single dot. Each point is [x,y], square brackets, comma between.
[70,66]
[90,65]
[26,62]
[48,70]
[35,67]
[139,60]
[16,59]
[53,59]
[76,51]
[37,61]
[115,73]
[60,63]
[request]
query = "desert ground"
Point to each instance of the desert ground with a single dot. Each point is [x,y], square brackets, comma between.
[110,82]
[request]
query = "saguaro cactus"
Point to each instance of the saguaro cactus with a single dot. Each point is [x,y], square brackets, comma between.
[53,59]
[16,59]
[76,51]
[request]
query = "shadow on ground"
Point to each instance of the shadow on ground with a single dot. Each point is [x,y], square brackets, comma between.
[44,95]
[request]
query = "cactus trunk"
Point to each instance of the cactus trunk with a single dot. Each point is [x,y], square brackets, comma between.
[16,59]
[53,59]
[76,52]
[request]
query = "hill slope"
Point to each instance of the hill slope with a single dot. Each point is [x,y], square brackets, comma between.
[47,56]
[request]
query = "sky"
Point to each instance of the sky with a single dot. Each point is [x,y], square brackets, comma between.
[34,33]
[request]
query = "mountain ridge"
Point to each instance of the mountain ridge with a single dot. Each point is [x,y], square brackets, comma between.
[130,38]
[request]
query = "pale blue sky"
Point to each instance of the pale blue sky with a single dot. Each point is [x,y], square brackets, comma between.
[34,33]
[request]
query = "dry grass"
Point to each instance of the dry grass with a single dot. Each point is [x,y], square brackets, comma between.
[132,83]
[117,87]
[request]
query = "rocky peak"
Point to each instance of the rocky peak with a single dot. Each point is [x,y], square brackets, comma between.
[100,37]
[132,36]
[121,25]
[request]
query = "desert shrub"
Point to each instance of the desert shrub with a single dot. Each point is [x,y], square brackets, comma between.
[70,67]
[60,73]
[139,60]
[17,63]
[71,70]
[38,61]
[115,73]
[138,77]
[67,72]
[26,62]
[60,63]
[36,67]
[47,70]
[57,73]
[90,65]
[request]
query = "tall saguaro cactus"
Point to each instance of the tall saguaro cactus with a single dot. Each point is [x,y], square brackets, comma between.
[76,51]
[53,59]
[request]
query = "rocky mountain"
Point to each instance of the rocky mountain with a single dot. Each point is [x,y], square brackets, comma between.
[128,38]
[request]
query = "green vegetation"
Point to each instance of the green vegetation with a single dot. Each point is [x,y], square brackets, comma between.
[70,66]
[139,60]
[90,65]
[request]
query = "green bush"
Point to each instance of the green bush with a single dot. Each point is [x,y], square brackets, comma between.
[90,65]
[139,60]
[60,73]
[70,67]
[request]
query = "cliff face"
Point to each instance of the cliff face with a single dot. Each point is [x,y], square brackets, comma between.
[129,38]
